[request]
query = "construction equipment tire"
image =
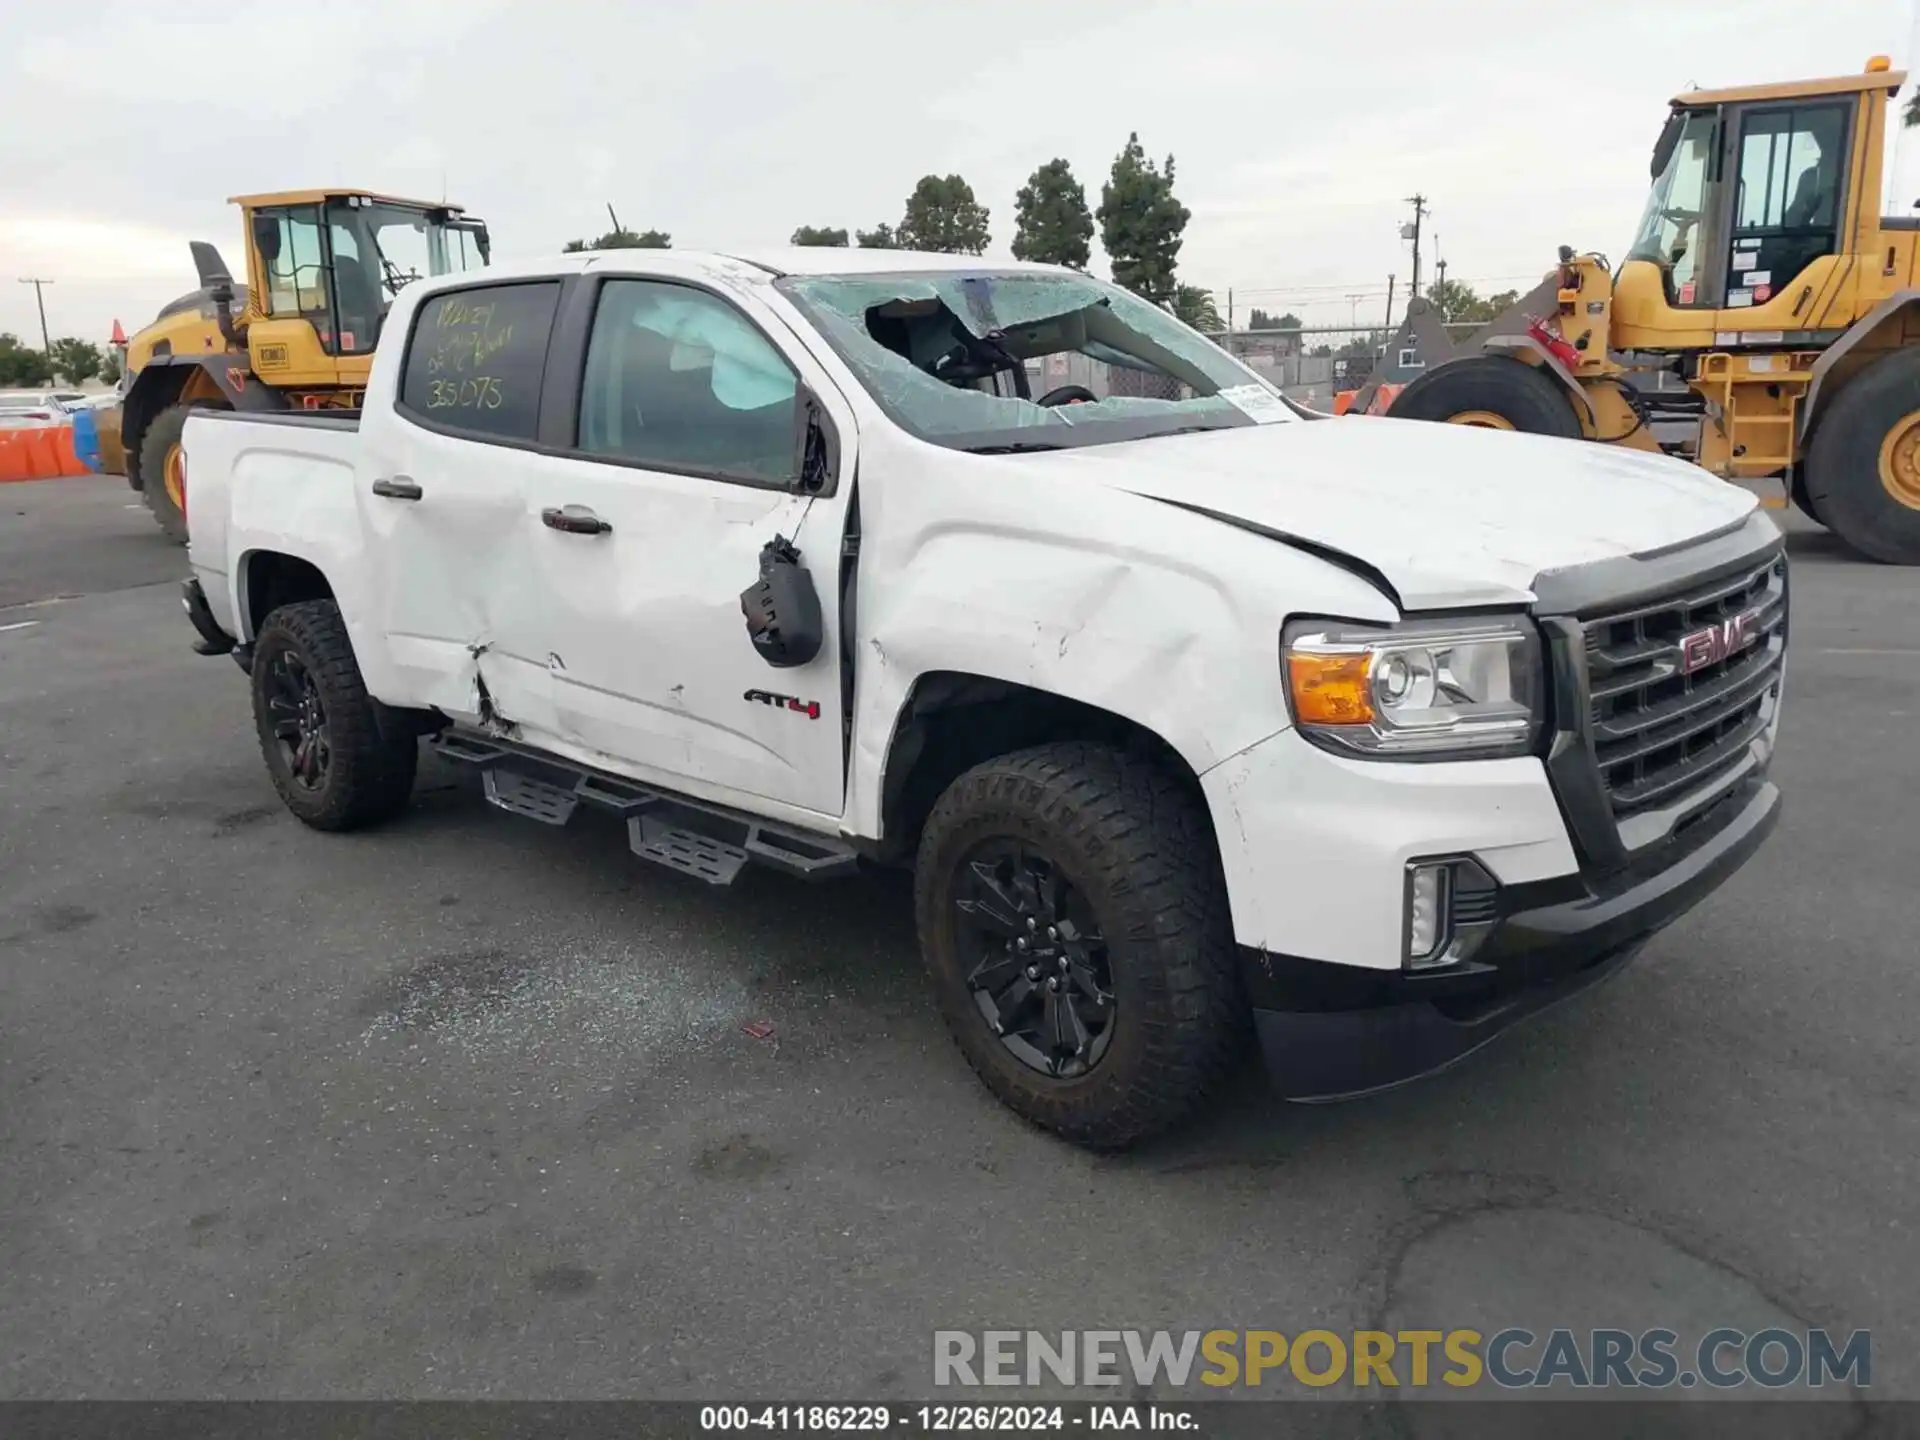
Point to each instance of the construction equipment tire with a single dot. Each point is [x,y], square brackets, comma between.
[1492,392]
[163,469]
[1863,465]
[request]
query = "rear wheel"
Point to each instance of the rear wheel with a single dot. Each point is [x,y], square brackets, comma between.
[1863,465]
[1490,392]
[163,467]
[337,760]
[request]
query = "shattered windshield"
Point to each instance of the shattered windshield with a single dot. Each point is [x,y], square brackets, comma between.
[1002,361]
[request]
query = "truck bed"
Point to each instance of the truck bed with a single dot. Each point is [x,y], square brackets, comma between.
[298,419]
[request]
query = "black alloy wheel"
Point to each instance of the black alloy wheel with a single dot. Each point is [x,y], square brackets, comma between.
[1040,972]
[299,720]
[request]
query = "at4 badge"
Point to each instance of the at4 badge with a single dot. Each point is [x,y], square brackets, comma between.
[808,708]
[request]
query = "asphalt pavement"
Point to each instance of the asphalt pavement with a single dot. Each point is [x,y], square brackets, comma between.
[465,1107]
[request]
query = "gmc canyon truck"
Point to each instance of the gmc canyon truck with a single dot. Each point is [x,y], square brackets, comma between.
[1195,715]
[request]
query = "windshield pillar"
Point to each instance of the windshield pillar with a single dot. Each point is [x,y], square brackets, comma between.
[1676,227]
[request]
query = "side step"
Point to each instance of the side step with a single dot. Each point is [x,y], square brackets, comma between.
[711,842]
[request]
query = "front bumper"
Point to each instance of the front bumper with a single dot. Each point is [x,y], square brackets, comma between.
[1331,1031]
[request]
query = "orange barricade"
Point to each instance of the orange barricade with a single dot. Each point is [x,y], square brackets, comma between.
[42,452]
[1382,398]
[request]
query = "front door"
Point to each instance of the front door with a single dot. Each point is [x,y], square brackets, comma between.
[647,528]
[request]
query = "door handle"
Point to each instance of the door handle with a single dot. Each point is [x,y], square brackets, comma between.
[397,487]
[574,520]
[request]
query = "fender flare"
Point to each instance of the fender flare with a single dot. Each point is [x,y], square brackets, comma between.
[1834,353]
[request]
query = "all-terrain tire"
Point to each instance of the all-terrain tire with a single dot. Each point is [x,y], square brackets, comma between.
[161,439]
[371,753]
[1134,839]
[1846,489]
[1522,395]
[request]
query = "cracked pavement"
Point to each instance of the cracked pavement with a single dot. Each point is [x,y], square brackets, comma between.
[465,1108]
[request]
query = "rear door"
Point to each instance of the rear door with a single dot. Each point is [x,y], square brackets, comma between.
[443,500]
[673,461]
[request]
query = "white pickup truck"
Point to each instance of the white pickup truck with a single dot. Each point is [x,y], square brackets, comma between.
[1194,713]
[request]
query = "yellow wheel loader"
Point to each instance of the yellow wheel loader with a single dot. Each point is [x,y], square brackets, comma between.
[1764,324]
[322,268]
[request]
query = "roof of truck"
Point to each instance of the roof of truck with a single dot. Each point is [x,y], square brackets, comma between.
[785,260]
[839,260]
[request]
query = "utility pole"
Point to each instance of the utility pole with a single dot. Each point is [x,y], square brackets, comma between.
[1229,310]
[1412,232]
[1353,310]
[1390,280]
[46,345]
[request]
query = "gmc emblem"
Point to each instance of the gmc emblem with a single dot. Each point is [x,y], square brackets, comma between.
[1718,642]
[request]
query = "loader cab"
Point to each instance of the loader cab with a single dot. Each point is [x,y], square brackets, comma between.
[1749,197]
[324,270]
[1756,191]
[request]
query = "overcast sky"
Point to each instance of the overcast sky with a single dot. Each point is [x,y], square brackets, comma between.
[1299,128]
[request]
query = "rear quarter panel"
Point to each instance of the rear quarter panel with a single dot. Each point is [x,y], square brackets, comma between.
[259,487]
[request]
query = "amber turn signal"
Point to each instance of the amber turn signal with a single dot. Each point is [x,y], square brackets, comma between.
[1330,689]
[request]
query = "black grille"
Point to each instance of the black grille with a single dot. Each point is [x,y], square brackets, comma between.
[1661,732]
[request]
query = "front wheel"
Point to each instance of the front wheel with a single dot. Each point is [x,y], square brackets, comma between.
[163,468]
[337,760]
[1863,464]
[1490,392]
[1072,912]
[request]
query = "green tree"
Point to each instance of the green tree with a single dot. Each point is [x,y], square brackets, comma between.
[942,215]
[20,365]
[1457,303]
[881,237]
[1195,305]
[110,368]
[621,238]
[1911,115]
[820,235]
[1263,321]
[1141,223]
[1051,221]
[77,361]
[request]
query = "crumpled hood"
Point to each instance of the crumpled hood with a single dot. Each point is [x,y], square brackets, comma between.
[1449,514]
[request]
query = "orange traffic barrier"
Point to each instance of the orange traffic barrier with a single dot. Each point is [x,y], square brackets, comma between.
[1382,398]
[42,452]
[1377,405]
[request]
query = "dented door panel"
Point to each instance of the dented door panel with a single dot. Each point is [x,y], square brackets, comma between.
[650,661]
[449,568]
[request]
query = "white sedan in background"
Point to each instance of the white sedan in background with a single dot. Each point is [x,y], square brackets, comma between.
[23,408]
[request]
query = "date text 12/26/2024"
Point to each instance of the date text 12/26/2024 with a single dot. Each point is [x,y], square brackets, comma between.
[945,1419]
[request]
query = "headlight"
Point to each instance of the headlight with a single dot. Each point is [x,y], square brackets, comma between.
[1426,689]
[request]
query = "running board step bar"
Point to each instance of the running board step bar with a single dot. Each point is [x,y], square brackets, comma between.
[708,841]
